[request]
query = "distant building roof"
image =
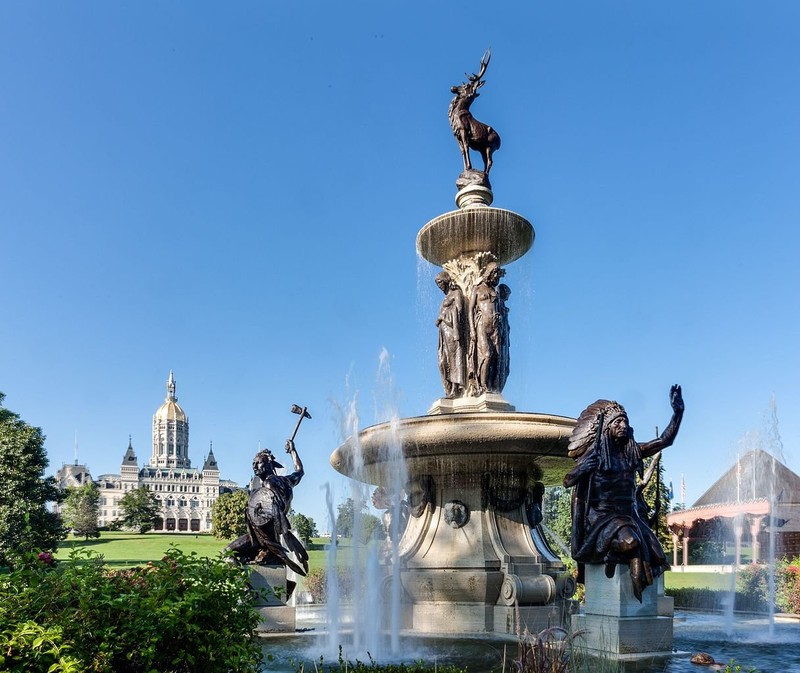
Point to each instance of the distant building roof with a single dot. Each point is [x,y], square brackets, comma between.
[755,475]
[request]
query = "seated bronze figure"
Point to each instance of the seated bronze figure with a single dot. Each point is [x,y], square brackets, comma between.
[609,518]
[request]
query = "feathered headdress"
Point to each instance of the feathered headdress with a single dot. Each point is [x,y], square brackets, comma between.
[584,434]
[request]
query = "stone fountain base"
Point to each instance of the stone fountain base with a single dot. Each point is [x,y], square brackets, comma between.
[273,591]
[471,559]
[615,623]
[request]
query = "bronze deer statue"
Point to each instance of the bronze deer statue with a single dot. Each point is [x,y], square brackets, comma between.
[469,132]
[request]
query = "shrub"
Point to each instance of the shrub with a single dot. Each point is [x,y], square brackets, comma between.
[752,583]
[708,552]
[787,585]
[316,583]
[181,614]
[698,598]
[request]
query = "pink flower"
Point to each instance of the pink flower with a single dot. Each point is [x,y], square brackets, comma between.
[47,558]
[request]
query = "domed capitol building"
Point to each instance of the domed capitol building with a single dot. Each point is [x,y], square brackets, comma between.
[186,493]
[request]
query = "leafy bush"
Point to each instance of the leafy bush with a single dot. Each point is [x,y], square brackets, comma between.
[707,552]
[28,648]
[752,582]
[787,589]
[698,598]
[178,615]
[316,583]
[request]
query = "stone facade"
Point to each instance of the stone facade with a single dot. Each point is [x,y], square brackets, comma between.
[186,493]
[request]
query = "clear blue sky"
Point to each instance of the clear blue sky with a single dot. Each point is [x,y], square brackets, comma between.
[233,190]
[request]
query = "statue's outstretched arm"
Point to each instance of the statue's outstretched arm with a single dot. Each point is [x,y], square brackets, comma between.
[298,473]
[670,432]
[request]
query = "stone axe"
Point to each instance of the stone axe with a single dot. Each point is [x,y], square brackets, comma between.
[303,411]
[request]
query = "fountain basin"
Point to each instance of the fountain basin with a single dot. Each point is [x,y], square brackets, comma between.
[474,230]
[462,445]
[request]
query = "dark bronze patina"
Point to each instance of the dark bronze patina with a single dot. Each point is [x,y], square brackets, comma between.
[453,337]
[488,348]
[269,539]
[609,515]
[469,132]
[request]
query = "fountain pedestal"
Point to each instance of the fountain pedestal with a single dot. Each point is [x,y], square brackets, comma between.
[273,590]
[471,558]
[615,623]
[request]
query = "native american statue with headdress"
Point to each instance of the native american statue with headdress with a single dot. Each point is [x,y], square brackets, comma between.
[609,515]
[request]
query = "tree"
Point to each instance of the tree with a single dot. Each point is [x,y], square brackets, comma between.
[25,522]
[656,493]
[304,525]
[81,509]
[345,518]
[227,515]
[371,528]
[370,525]
[140,509]
[557,513]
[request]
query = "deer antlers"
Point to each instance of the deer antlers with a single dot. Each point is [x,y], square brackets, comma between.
[484,62]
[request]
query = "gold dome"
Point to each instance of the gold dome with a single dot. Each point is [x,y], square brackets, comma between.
[170,410]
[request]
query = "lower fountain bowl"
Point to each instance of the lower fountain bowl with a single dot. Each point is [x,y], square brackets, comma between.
[460,446]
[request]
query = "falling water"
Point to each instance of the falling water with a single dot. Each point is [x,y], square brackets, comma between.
[333,602]
[372,608]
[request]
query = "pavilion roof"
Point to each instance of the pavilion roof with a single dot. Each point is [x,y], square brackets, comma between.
[755,475]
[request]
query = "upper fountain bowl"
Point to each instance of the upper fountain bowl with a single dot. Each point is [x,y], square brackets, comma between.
[460,446]
[469,231]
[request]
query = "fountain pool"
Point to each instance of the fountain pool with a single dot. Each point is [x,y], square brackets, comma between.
[749,644]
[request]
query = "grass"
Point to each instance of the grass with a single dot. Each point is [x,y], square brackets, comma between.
[123,549]
[127,549]
[697,580]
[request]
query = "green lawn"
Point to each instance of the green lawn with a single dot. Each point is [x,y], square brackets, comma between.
[697,580]
[124,549]
[127,549]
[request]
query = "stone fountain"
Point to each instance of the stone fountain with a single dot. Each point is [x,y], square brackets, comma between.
[472,557]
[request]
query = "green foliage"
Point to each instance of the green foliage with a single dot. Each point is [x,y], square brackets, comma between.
[557,516]
[706,552]
[140,509]
[228,515]
[733,667]
[178,615]
[656,490]
[27,647]
[25,522]
[787,585]
[752,582]
[81,509]
[345,518]
[304,526]
[371,528]
[699,598]
[316,583]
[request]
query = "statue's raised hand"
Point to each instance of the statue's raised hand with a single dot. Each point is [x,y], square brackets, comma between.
[676,399]
[290,446]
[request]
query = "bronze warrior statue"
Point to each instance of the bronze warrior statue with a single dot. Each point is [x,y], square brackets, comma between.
[469,132]
[269,538]
[609,516]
